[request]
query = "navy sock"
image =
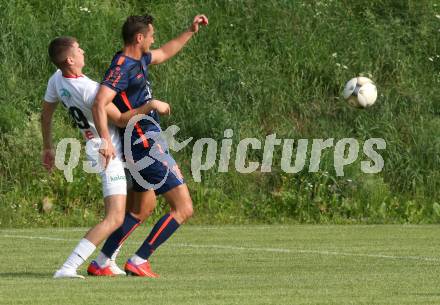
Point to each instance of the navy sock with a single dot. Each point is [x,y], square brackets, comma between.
[162,230]
[118,237]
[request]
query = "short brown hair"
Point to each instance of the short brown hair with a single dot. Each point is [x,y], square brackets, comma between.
[59,48]
[135,25]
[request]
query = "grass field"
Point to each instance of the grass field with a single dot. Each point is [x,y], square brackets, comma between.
[237,265]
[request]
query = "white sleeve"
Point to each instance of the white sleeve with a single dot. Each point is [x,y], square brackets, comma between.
[51,92]
[91,89]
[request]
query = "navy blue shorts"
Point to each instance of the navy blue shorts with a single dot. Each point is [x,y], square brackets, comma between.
[161,173]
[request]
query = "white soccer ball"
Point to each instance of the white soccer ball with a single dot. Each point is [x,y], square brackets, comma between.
[360,92]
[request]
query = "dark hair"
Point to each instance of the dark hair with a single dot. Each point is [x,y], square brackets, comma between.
[135,25]
[59,48]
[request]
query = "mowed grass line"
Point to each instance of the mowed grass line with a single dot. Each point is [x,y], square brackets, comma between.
[237,265]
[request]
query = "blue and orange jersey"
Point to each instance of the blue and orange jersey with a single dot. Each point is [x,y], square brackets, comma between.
[129,78]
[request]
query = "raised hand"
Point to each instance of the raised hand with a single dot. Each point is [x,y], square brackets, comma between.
[198,20]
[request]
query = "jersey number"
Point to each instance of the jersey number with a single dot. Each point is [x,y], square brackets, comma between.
[79,118]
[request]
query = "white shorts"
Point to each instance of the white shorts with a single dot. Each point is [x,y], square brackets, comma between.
[114,181]
[113,178]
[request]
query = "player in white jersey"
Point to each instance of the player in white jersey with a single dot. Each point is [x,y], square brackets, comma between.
[77,93]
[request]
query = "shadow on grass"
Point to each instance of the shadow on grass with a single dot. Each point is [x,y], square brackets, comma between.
[37,275]
[428,294]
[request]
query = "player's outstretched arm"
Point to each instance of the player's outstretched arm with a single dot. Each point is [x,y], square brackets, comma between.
[48,155]
[104,97]
[121,119]
[172,47]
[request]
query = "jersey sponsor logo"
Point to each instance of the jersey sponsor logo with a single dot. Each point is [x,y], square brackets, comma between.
[65,93]
[65,97]
[117,178]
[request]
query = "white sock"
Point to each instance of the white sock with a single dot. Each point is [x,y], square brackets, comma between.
[137,260]
[102,260]
[113,258]
[80,254]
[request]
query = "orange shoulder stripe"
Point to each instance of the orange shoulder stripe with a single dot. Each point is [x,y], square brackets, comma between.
[121,60]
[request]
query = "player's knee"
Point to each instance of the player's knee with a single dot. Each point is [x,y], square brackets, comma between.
[143,211]
[189,213]
[186,210]
[143,214]
[118,221]
[113,222]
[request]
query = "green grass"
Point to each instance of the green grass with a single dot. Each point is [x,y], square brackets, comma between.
[237,265]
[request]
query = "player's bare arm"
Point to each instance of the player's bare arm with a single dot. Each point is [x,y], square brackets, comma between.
[121,119]
[48,155]
[161,107]
[172,47]
[103,98]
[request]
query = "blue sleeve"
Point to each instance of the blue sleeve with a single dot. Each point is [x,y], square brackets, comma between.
[146,58]
[116,78]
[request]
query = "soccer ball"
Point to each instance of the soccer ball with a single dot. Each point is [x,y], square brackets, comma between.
[360,92]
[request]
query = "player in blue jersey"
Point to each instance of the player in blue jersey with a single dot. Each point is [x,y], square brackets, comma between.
[127,84]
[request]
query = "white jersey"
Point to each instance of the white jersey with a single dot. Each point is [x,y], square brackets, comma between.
[77,94]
